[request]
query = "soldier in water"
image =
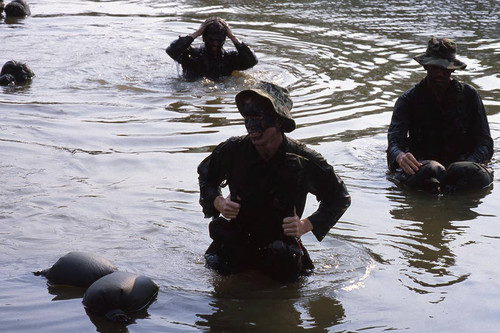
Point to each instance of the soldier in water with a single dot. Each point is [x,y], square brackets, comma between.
[210,59]
[269,175]
[439,138]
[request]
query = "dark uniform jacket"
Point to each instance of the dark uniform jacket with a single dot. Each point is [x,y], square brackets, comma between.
[455,130]
[269,191]
[196,63]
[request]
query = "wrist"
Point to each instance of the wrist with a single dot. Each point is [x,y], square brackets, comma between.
[216,203]
[399,157]
[305,226]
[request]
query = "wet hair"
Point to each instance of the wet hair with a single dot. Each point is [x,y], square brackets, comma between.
[20,71]
[214,29]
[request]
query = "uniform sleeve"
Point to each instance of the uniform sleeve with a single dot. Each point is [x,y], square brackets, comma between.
[243,57]
[331,193]
[179,48]
[212,172]
[483,150]
[397,135]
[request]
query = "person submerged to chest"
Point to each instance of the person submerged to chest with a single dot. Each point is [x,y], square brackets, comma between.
[440,125]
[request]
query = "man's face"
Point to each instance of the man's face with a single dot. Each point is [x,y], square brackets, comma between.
[438,77]
[214,43]
[260,119]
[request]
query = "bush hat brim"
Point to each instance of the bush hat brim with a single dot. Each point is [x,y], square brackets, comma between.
[440,52]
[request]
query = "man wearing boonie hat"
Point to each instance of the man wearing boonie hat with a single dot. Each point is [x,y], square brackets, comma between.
[439,138]
[259,225]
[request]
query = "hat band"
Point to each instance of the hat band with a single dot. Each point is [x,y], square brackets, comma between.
[450,56]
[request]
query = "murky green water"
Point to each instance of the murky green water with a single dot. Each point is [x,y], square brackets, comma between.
[99,154]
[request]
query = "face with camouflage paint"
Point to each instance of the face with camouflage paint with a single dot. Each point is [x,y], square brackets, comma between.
[259,117]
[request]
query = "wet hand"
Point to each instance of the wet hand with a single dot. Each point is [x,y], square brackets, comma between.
[229,32]
[408,163]
[229,209]
[293,226]
[202,27]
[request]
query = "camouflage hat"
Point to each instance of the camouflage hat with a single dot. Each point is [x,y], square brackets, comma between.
[440,52]
[279,98]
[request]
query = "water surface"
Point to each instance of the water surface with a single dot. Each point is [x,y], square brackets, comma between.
[99,154]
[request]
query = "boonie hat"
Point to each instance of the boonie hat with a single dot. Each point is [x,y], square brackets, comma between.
[441,52]
[279,98]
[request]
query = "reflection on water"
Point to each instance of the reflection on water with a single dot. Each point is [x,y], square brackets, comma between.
[428,228]
[99,154]
[105,326]
[250,300]
[62,292]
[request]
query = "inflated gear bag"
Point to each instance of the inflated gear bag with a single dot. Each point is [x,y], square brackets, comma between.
[118,294]
[79,269]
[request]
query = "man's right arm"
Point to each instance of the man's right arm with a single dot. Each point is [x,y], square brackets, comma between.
[211,173]
[397,135]
[228,208]
[408,163]
[179,47]
[209,189]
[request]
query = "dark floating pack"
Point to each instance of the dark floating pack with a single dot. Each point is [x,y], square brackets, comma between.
[78,269]
[110,293]
[118,294]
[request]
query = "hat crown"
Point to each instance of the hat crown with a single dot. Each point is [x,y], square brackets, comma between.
[280,95]
[441,48]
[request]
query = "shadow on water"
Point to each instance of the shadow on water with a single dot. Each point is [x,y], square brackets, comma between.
[249,300]
[104,325]
[429,225]
[62,292]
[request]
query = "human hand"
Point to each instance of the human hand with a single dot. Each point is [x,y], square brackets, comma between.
[226,207]
[229,32]
[203,26]
[408,163]
[293,226]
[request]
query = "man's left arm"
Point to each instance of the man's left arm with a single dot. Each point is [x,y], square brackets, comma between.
[243,57]
[330,191]
[483,150]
